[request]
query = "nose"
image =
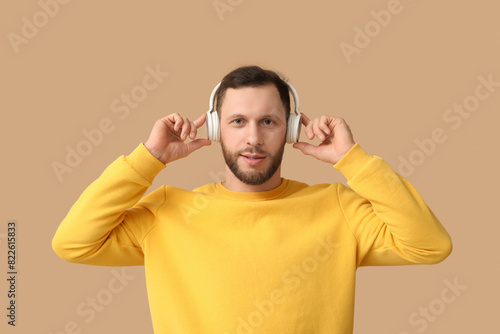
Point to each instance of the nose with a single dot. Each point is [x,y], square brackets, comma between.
[254,134]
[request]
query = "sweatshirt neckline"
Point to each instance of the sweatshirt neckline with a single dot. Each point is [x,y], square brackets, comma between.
[253,196]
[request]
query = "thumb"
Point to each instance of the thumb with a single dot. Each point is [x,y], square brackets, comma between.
[306,148]
[197,144]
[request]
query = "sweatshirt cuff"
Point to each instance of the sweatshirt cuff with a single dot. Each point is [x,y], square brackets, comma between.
[353,162]
[145,163]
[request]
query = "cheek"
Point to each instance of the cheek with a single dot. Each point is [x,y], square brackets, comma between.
[276,137]
[227,134]
[231,138]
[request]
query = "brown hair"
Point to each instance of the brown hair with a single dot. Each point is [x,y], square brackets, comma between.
[253,76]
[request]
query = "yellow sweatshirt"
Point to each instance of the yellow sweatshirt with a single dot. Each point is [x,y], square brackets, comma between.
[223,262]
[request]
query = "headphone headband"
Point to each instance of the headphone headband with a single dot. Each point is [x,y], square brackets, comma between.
[292,89]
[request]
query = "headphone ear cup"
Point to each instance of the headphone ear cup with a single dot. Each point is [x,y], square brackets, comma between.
[208,121]
[216,125]
[293,128]
[213,126]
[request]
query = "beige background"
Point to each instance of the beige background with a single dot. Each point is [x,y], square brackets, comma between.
[396,90]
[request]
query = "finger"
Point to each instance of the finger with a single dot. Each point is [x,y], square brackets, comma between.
[323,124]
[307,123]
[177,120]
[309,130]
[316,129]
[199,122]
[306,148]
[193,132]
[321,128]
[197,144]
[186,128]
[305,119]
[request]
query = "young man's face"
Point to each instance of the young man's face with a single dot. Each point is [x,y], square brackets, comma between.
[253,129]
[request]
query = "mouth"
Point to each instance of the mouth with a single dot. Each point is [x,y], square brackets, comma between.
[253,159]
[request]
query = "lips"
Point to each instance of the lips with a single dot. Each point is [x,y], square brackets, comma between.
[252,159]
[253,156]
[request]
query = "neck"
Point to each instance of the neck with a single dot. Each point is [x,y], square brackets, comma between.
[234,184]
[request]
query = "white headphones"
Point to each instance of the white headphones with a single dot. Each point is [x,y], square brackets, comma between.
[293,126]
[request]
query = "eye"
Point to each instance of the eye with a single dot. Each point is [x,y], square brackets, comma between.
[237,121]
[268,122]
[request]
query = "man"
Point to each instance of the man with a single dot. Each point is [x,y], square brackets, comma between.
[256,253]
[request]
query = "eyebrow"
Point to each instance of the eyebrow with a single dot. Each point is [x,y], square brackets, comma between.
[244,116]
[235,116]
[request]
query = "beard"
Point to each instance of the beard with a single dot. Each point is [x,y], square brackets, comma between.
[253,177]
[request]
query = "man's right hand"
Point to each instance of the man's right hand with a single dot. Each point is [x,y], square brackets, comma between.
[166,141]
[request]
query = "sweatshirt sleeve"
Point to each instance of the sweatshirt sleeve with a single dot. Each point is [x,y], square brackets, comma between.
[389,219]
[106,225]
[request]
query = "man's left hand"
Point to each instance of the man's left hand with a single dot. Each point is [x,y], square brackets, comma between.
[335,135]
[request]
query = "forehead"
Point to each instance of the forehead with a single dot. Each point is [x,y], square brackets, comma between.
[252,101]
